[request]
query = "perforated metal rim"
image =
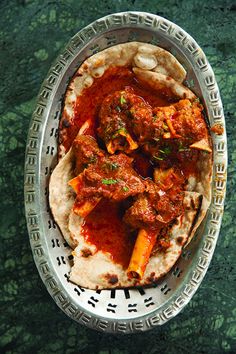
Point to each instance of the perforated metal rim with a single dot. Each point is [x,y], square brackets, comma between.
[143,308]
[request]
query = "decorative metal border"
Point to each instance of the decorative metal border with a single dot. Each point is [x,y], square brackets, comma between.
[32,173]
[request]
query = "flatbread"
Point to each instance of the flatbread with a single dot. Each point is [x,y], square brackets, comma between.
[61,195]
[160,82]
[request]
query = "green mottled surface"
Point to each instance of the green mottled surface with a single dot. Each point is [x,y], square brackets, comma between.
[31,35]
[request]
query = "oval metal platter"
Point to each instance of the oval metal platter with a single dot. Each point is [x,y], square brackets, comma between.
[123,310]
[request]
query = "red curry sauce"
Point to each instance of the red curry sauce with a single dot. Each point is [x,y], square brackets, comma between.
[104,228]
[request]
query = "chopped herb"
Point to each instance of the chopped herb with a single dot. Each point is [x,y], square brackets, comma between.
[122,130]
[111,165]
[166,150]
[114,165]
[165,126]
[92,159]
[154,118]
[156,139]
[182,147]
[109,181]
[122,99]
[125,189]
[118,132]
[118,109]
[158,158]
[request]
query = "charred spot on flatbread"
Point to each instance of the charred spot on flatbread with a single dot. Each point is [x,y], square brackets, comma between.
[111,278]
[66,123]
[86,252]
[180,240]
[196,205]
[152,278]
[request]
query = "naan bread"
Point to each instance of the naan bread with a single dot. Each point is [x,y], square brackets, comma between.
[160,82]
[61,195]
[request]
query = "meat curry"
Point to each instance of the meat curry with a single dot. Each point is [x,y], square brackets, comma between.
[132,164]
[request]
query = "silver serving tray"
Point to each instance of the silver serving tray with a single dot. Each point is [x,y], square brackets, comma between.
[120,310]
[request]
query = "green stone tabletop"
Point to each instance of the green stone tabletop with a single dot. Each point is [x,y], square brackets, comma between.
[32,33]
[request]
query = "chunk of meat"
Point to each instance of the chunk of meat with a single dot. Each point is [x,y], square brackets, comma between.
[112,117]
[162,115]
[113,126]
[86,152]
[161,203]
[123,118]
[184,132]
[111,177]
[189,122]
[141,214]
[141,118]
[183,120]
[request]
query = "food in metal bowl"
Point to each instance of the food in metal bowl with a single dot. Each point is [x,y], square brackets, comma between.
[133,179]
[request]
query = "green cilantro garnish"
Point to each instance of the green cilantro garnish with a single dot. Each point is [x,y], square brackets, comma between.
[118,132]
[92,159]
[158,158]
[125,189]
[122,99]
[114,165]
[156,139]
[154,118]
[122,130]
[109,181]
[165,126]
[182,147]
[110,165]
[166,150]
